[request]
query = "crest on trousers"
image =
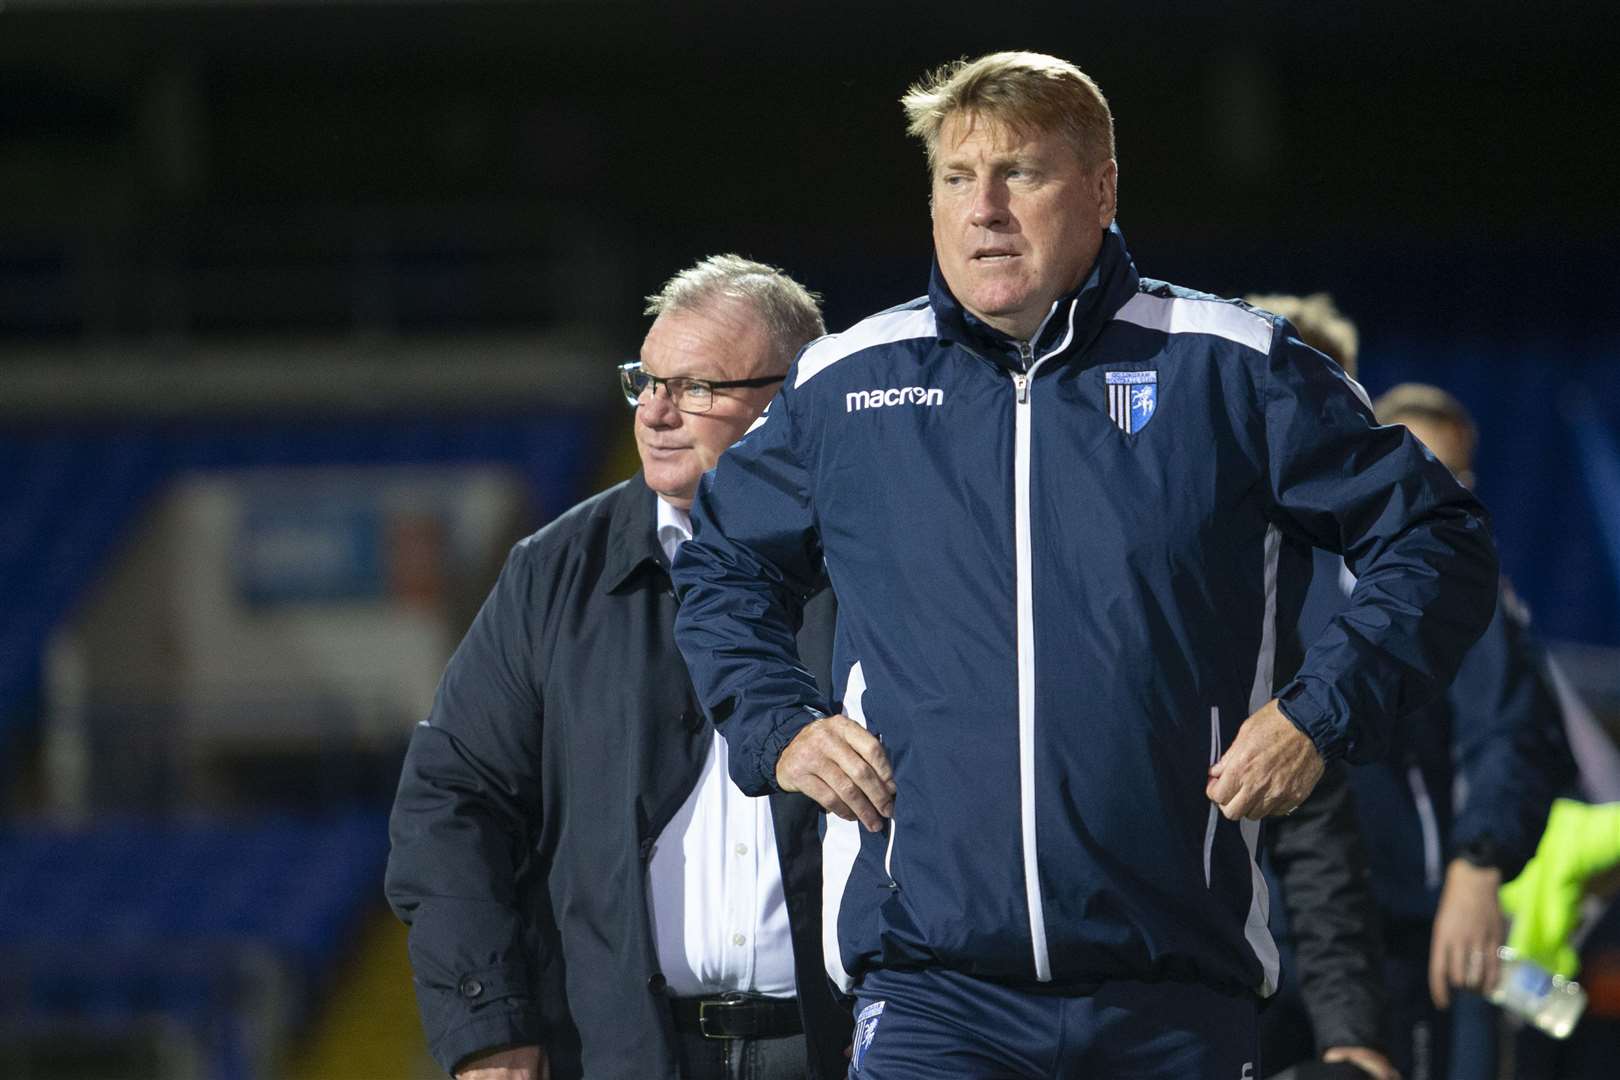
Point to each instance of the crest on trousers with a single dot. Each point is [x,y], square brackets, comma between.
[1133,398]
[865,1028]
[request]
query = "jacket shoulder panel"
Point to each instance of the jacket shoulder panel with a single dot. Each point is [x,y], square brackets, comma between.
[906,322]
[1172,310]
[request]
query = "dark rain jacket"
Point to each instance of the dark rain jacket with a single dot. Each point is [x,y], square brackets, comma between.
[1324,916]
[564,736]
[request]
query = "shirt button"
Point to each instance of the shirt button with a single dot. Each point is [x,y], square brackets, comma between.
[656,982]
[742,849]
[738,939]
[471,987]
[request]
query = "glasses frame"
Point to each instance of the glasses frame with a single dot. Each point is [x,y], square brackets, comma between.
[676,386]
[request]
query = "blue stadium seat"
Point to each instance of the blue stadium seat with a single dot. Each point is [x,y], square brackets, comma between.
[127,922]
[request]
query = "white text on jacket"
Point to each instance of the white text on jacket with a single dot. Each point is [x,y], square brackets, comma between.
[856,400]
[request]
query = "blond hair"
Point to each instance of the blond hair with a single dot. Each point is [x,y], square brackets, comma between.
[1420,401]
[791,312]
[1026,91]
[1320,323]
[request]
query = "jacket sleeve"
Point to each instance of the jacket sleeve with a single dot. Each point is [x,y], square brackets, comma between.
[1321,867]
[1508,742]
[459,829]
[1417,541]
[743,579]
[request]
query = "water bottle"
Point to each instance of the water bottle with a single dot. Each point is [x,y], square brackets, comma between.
[1528,990]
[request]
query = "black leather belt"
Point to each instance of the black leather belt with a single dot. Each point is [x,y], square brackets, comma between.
[737,1016]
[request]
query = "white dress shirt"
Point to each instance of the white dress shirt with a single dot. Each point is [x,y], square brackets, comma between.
[714,885]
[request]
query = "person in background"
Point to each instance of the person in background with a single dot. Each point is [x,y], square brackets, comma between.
[588,892]
[1459,804]
[1331,1002]
[1065,510]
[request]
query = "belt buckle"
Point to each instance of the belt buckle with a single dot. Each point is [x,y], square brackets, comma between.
[724,1003]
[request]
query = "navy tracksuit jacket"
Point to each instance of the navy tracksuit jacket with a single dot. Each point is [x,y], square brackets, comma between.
[1480,765]
[1061,568]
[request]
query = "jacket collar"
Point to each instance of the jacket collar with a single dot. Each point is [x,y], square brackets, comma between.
[1111,282]
[632,541]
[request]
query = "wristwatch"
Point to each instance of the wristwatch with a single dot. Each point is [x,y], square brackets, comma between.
[1482,852]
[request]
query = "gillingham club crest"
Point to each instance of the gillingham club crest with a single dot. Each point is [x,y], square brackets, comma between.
[865,1031]
[1133,398]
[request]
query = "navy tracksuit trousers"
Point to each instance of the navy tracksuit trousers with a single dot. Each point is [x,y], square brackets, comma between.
[931,1025]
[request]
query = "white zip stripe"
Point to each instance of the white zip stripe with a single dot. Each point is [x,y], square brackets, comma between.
[1026,652]
[1429,824]
[1214,756]
[1041,329]
[1026,694]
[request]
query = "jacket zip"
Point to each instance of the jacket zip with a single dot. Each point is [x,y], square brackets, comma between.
[1023,572]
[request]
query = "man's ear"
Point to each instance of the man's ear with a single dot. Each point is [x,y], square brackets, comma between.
[1107,180]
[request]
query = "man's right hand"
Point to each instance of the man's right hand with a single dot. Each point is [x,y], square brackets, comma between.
[843,767]
[513,1063]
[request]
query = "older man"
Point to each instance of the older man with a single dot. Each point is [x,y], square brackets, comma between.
[587,891]
[1065,510]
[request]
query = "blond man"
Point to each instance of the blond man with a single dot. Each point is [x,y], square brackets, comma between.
[1065,510]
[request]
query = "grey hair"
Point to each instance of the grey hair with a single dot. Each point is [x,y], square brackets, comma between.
[792,313]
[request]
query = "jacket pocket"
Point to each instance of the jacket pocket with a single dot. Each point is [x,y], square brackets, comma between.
[1214,811]
[854,694]
[888,852]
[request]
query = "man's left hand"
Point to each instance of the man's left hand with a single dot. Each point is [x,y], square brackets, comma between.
[1269,769]
[1365,1058]
[1467,929]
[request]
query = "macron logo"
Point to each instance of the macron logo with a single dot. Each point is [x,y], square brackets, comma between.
[856,400]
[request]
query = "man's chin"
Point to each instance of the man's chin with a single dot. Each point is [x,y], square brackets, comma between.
[999,303]
[675,490]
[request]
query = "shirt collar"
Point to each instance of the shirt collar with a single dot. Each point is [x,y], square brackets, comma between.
[674,528]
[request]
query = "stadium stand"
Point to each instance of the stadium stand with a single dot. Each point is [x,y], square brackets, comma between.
[211,934]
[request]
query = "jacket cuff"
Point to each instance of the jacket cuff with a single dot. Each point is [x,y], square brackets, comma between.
[771,749]
[1348,1025]
[1479,846]
[497,1027]
[1309,705]
[484,1011]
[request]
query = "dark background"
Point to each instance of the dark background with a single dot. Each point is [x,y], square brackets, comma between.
[176,175]
[1444,169]
[249,234]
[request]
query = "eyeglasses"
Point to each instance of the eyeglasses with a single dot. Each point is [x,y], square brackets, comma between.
[687,395]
